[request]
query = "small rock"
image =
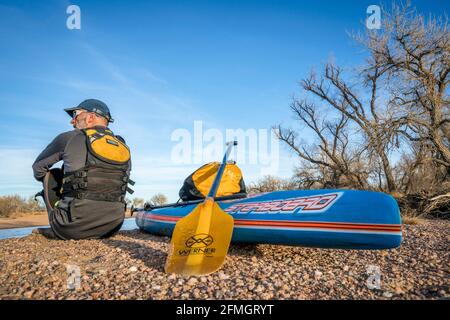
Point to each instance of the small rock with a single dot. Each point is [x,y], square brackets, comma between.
[399,290]
[172,277]
[223,276]
[196,293]
[259,289]
[133,269]
[317,274]
[387,294]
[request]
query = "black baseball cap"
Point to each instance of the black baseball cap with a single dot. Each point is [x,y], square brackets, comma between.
[92,105]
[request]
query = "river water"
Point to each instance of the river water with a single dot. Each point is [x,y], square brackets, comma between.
[128,224]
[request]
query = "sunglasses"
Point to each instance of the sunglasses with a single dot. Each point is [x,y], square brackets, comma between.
[76,113]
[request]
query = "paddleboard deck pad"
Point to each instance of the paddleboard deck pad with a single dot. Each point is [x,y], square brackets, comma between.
[343,219]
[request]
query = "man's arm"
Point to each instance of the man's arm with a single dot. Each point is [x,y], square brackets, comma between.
[51,155]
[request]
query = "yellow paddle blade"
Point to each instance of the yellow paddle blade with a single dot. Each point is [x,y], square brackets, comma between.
[200,240]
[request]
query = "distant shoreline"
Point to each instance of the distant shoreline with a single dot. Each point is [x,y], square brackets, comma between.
[26,220]
[30,220]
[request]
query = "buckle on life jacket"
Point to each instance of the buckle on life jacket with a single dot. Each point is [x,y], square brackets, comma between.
[82,185]
[81,174]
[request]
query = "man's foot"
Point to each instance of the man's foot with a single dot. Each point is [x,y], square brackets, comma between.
[46,232]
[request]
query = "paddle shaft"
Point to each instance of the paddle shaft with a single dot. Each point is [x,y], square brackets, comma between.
[216,183]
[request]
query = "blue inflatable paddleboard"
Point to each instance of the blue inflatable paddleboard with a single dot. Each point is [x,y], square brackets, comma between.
[346,219]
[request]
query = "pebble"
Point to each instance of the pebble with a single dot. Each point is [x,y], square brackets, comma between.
[133,269]
[223,276]
[37,269]
[259,289]
[317,274]
[172,277]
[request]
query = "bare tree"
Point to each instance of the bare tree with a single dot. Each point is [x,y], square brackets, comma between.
[417,172]
[271,183]
[339,164]
[400,95]
[372,121]
[367,114]
[138,202]
[415,53]
[158,199]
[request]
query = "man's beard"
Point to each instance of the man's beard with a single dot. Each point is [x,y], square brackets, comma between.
[80,125]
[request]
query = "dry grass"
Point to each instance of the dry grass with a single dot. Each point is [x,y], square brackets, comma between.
[15,205]
[412,220]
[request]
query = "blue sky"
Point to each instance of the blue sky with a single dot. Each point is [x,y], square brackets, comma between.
[160,66]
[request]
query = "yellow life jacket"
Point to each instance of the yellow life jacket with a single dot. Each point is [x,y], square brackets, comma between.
[105,176]
[107,147]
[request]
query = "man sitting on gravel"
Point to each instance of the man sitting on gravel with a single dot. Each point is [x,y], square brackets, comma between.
[96,166]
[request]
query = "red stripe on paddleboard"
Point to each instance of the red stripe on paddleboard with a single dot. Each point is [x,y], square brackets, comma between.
[318,225]
[298,224]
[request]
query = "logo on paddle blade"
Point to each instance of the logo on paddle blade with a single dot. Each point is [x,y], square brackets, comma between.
[200,240]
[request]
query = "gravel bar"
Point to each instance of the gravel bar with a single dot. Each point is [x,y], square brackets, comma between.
[130,265]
